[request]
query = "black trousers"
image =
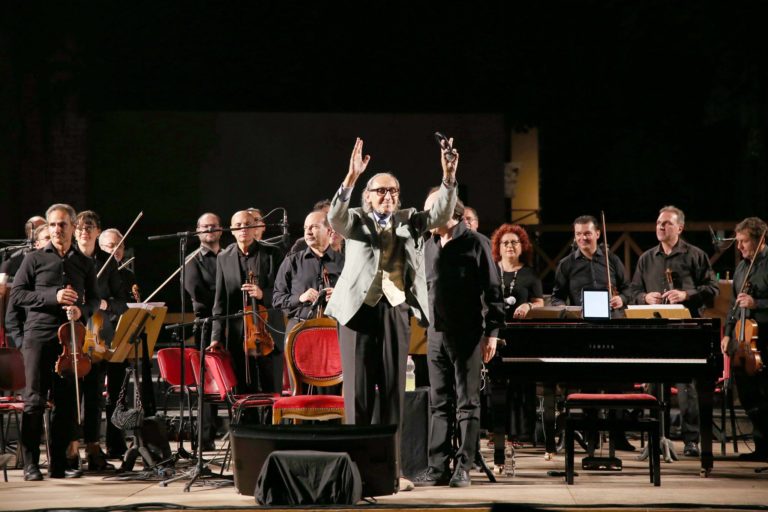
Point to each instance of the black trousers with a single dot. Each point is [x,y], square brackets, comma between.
[39,363]
[753,395]
[266,371]
[115,437]
[374,350]
[688,403]
[454,361]
[92,392]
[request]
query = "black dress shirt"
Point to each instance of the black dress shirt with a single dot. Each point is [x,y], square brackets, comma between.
[576,272]
[461,278]
[691,272]
[299,272]
[200,281]
[41,275]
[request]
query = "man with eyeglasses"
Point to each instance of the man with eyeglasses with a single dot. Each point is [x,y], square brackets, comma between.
[233,266]
[383,278]
[470,218]
[54,283]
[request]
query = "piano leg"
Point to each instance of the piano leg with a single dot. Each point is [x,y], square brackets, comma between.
[706,392]
[500,412]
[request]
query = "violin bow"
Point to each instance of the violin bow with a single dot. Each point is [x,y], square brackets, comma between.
[112,255]
[607,254]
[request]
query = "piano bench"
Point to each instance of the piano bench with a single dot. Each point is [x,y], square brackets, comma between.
[596,401]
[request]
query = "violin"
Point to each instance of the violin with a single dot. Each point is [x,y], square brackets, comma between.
[72,360]
[93,344]
[747,354]
[326,284]
[256,338]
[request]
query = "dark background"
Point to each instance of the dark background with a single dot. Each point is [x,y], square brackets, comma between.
[175,108]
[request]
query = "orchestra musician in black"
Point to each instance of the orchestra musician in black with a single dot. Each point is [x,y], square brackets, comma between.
[753,299]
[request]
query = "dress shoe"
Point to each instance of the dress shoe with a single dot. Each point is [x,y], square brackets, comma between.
[404,485]
[65,473]
[32,473]
[621,444]
[98,462]
[691,449]
[460,478]
[754,457]
[430,478]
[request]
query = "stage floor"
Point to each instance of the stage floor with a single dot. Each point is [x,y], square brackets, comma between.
[733,484]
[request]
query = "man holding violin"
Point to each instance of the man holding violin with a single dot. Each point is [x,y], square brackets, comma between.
[247,256]
[752,300]
[56,283]
[676,272]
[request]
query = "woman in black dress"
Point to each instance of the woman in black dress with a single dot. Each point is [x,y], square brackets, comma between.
[522,292]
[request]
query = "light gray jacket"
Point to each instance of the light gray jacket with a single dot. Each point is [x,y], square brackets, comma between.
[362,252]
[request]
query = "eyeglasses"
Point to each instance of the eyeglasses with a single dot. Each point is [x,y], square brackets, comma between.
[513,243]
[87,228]
[382,191]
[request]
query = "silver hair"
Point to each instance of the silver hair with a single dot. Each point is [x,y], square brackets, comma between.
[113,231]
[63,207]
[677,211]
[366,204]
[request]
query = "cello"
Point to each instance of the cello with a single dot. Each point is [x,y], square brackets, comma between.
[256,338]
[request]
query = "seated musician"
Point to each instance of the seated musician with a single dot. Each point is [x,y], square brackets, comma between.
[109,242]
[304,275]
[522,291]
[247,256]
[693,284]
[52,283]
[585,267]
[752,389]
[114,297]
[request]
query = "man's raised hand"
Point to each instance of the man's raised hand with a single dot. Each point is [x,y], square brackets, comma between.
[357,164]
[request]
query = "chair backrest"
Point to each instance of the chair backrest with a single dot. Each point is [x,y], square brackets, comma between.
[219,366]
[312,353]
[170,369]
[12,376]
[211,387]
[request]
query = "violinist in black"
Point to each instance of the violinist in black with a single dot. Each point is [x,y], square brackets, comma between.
[753,389]
[113,299]
[585,268]
[200,271]
[233,266]
[51,282]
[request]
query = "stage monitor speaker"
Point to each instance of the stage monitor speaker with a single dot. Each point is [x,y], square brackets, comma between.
[371,447]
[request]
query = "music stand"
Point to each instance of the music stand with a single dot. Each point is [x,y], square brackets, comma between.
[139,318]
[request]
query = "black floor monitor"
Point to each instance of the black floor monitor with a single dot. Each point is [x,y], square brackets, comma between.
[371,447]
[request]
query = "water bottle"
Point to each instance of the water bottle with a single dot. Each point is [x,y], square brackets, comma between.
[410,375]
[509,459]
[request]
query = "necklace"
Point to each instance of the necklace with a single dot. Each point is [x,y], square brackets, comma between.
[511,284]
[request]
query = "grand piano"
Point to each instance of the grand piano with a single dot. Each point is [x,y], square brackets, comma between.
[620,351]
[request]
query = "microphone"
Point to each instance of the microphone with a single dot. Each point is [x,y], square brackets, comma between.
[320,298]
[286,236]
[510,301]
[445,145]
[715,240]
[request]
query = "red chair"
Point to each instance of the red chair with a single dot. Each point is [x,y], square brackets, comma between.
[313,358]
[168,362]
[218,364]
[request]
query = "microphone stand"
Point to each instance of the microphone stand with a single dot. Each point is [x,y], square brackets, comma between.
[201,469]
[183,236]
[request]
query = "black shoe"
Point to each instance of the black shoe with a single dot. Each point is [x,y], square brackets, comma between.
[115,454]
[67,473]
[209,446]
[32,473]
[691,449]
[460,478]
[754,457]
[429,478]
[621,444]
[98,462]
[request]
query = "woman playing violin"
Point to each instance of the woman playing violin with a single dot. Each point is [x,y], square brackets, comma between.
[753,389]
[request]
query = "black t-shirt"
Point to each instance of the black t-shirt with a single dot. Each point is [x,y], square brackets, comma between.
[525,287]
